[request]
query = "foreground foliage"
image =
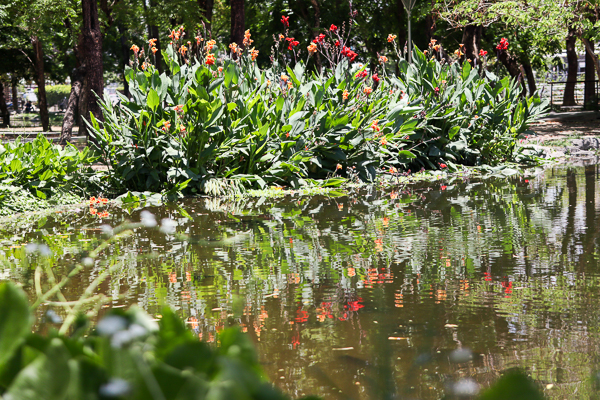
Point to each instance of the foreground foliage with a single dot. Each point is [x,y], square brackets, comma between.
[212,126]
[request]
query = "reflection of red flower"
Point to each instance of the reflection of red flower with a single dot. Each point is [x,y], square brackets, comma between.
[301,316]
[487,276]
[507,287]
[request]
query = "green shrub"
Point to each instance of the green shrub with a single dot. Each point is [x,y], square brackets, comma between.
[55,93]
[196,124]
[128,356]
[42,168]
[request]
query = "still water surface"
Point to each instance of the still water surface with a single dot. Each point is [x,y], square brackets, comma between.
[365,296]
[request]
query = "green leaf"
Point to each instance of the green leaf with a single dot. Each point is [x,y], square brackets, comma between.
[153,99]
[406,154]
[15,319]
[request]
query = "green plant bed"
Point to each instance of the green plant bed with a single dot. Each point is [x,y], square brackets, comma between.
[206,119]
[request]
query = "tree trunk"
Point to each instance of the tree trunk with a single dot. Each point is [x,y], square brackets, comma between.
[91,52]
[401,18]
[589,48]
[513,67]
[589,87]
[530,77]
[124,58]
[154,34]
[72,106]
[237,21]
[472,40]
[430,22]
[3,108]
[572,66]
[206,7]
[40,80]
[15,96]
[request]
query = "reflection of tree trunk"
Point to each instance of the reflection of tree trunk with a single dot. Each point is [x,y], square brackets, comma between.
[3,108]
[472,40]
[40,80]
[15,95]
[91,52]
[590,210]
[206,7]
[71,111]
[589,87]
[572,66]
[237,21]
[513,67]
[570,228]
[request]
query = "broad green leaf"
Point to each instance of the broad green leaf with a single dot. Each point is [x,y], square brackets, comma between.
[153,100]
[15,319]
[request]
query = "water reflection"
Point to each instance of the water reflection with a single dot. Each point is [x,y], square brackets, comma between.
[417,292]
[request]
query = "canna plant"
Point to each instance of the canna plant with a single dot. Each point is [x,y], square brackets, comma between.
[215,122]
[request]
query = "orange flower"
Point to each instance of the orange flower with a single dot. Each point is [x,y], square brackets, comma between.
[393,170]
[312,48]
[144,65]
[391,38]
[92,200]
[281,37]
[253,54]
[103,214]
[345,94]
[233,47]
[383,59]
[339,166]
[135,49]
[284,77]
[152,42]
[220,69]
[268,82]
[247,41]
[436,47]
[104,201]
[458,53]
[210,59]
[182,50]
[383,141]
[154,50]
[93,211]
[166,126]
[374,125]
[290,85]
[368,90]
[197,40]
[209,45]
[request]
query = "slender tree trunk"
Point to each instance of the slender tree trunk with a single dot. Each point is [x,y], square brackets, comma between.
[206,7]
[40,80]
[514,68]
[72,106]
[528,70]
[3,108]
[589,48]
[154,34]
[237,21]
[124,57]
[572,66]
[91,52]
[589,87]
[15,96]
[430,22]
[401,18]
[472,40]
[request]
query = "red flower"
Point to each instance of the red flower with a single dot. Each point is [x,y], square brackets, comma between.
[436,90]
[482,53]
[292,43]
[503,45]
[443,187]
[361,74]
[349,53]
[333,28]
[337,43]
[376,78]
[285,21]
[319,39]
[442,165]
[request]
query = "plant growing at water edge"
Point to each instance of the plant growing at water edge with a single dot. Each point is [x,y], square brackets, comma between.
[216,117]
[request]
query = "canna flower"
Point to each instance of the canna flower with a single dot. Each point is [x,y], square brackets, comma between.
[182,129]
[383,141]
[154,50]
[348,53]
[197,40]
[482,53]
[92,200]
[393,170]
[290,85]
[144,66]
[339,166]
[281,37]
[375,126]
[503,45]
[432,42]
[152,42]
[383,59]
[166,126]
[220,69]
[333,28]
[312,48]
[253,54]
[391,38]
[268,82]
[210,60]
[361,74]
[209,45]
[319,39]
[458,53]
[104,201]
[345,94]
[247,41]
[233,47]
[93,211]
[436,47]
[292,43]
[368,90]
[183,50]
[284,77]
[442,165]
[285,21]
[376,78]
[337,43]
[461,46]
[135,49]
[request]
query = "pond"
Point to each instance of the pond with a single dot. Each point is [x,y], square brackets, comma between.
[413,293]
